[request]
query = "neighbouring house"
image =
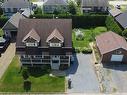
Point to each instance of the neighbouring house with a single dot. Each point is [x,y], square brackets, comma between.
[13,6]
[112,48]
[27,12]
[94,5]
[11,26]
[115,12]
[122,20]
[45,42]
[50,6]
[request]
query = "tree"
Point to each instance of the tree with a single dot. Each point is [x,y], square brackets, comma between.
[78,2]
[124,33]
[1,32]
[25,73]
[38,11]
[1,11]
[72,8]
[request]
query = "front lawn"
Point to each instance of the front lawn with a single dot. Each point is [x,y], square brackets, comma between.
[89,36]
[39,80]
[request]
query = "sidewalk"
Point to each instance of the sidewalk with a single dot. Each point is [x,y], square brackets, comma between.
[6,58]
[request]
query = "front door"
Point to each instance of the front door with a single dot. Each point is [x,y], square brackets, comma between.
[55,64]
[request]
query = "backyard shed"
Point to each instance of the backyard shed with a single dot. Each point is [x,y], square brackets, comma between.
[112,48]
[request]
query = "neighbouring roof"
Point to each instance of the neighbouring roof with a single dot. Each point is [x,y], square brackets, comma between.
[56,34]
[27,12]
[122,19]
[110,41]
[32,34]
[15,4]
[115,12]
[55,2]
[13,21]
[95,3]
[44,28]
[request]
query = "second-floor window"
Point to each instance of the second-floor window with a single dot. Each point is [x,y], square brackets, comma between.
[32,44]
[55,45]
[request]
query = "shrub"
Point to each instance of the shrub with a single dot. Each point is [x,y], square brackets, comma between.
[1,33]
[78,21]
[25,73]
[3,20]
[124,33]
[77,50]
[112,25]
[86,50]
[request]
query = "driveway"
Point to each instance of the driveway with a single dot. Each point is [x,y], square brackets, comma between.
[82,74]
[118,74]
[6,58]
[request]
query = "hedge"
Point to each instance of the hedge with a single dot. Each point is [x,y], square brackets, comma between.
[112,25]
[3,20]
[78,21]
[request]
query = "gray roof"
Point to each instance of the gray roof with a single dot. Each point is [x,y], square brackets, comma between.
[55,2]
[95,3]
[122,19]
[27,12]
[14,21]
[15,4]
[115,12]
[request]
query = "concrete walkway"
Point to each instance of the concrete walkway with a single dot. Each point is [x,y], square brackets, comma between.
[6,58]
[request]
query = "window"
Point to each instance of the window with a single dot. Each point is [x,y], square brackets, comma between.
[15,10]
[9,10]
[55,44]
[31,44]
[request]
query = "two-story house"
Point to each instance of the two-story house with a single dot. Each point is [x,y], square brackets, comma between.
[50,6]
[45,42]
[13,6]
[94,5]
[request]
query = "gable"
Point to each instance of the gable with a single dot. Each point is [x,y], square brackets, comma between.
[54,40]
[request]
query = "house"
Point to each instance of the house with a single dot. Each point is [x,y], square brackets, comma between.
[115,12]
[94,5]
[55,5]
[11,26]
[112,48]
[13,6]
[45,42]
[122,20]
[26,12]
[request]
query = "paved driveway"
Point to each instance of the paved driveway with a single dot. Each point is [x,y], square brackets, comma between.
[6,58]
[118,74]
[83,77]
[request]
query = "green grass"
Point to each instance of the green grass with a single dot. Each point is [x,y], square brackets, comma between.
[12,80]
[1,32]
[89,36]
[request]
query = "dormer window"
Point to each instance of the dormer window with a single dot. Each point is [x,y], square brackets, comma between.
[32,39]
[55,39]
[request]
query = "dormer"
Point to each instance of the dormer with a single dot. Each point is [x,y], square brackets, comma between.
[55,39]
[32,39]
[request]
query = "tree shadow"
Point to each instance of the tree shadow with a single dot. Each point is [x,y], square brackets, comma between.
[73,66]
[38,71]
[27,85]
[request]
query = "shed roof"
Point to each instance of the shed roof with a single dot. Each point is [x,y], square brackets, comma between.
[110,41]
